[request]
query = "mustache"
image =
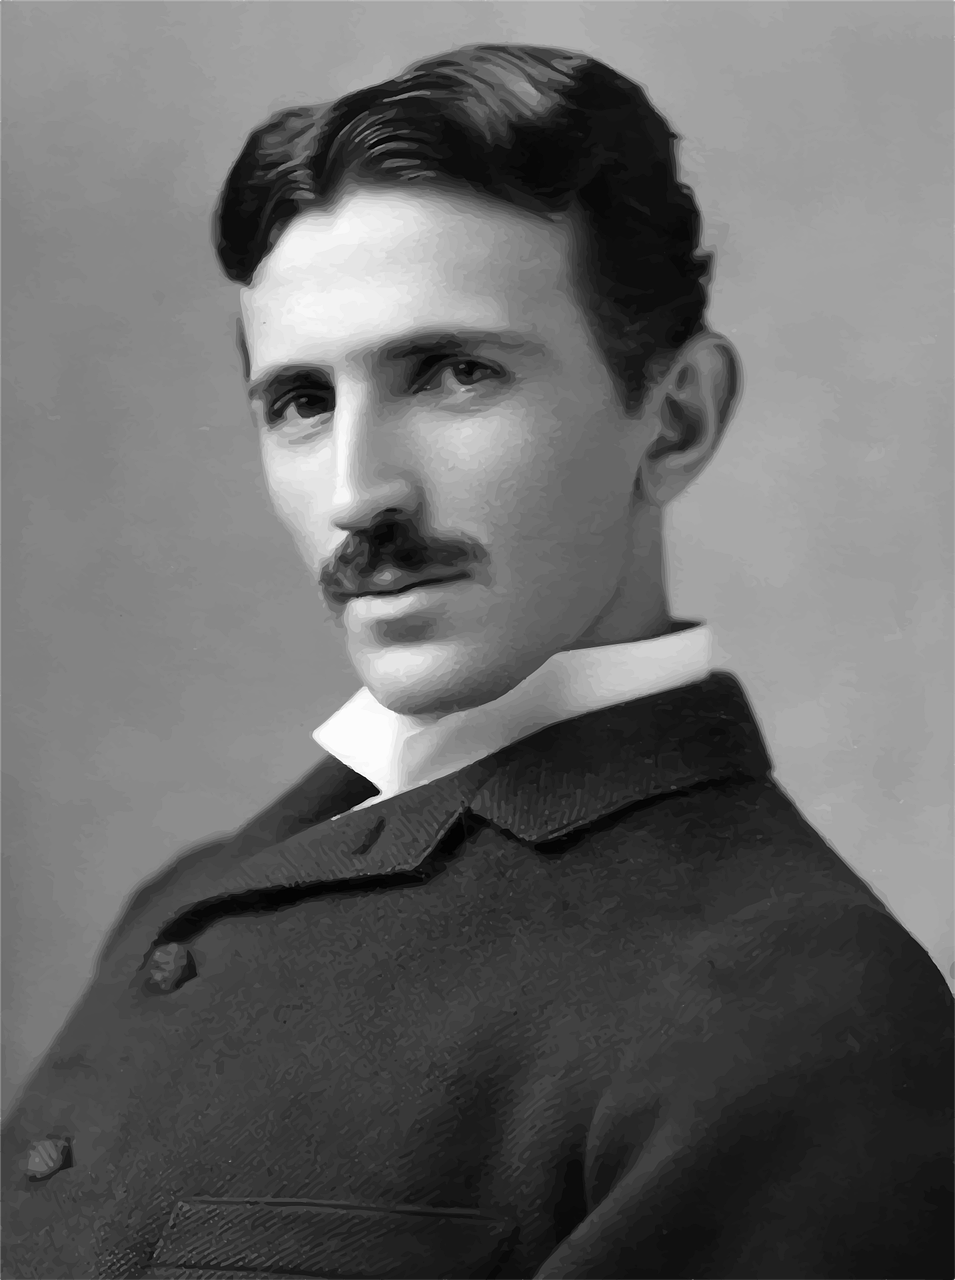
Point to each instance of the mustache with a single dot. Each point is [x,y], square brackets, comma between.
[397,544]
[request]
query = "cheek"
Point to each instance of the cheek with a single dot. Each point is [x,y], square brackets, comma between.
[533,475]
[301,490]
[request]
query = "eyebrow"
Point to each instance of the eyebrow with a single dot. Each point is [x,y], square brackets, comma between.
[428,342]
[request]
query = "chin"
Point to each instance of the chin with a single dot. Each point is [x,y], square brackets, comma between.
[438,678]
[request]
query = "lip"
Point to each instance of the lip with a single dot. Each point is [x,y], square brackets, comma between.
[418,594]
[402,582]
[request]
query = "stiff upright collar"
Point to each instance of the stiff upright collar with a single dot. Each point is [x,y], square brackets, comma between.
[398,753]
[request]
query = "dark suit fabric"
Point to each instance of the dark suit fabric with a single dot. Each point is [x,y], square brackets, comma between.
[600,1005]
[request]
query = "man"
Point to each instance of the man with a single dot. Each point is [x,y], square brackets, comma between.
[538,972]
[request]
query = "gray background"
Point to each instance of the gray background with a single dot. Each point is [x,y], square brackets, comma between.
[166,658]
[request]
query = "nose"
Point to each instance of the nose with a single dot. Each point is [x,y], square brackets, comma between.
[373,475]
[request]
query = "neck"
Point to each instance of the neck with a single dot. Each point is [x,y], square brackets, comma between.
[639,608]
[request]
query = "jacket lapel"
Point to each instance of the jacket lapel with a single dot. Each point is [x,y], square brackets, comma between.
[330,788]
[538,789]
[250,873]
[395,836]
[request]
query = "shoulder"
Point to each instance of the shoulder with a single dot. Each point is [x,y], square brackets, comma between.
[188,864]
[193,871]
[732,888]
[729,843]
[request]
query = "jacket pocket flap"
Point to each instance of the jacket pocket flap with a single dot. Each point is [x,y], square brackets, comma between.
[332,1239]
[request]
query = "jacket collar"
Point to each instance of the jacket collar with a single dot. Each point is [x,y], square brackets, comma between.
[575,773]
[538,789]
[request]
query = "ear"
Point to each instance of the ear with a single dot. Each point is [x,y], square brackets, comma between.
[690,407]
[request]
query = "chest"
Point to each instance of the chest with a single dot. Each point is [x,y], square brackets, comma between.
[353,1023]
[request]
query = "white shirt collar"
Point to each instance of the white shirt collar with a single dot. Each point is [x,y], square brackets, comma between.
[397,753]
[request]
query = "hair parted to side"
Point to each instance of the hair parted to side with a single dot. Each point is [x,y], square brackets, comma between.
[544,130]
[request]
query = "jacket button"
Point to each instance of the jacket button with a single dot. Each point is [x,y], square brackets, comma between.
[47,1157]
[169,966]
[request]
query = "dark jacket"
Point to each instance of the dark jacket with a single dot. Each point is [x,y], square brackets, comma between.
[601,1005]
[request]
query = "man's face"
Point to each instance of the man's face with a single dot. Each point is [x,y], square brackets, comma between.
[442,437]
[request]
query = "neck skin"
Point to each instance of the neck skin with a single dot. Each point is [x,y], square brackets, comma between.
[639,608]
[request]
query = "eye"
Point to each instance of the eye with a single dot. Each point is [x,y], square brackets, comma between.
[469,372]
[302,405]
[456,375]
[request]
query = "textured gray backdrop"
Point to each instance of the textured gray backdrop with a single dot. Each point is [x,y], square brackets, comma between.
[166,659]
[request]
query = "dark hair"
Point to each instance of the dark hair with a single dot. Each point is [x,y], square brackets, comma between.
[544,130]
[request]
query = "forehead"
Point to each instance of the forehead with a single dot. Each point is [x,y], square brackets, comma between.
[383,264]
